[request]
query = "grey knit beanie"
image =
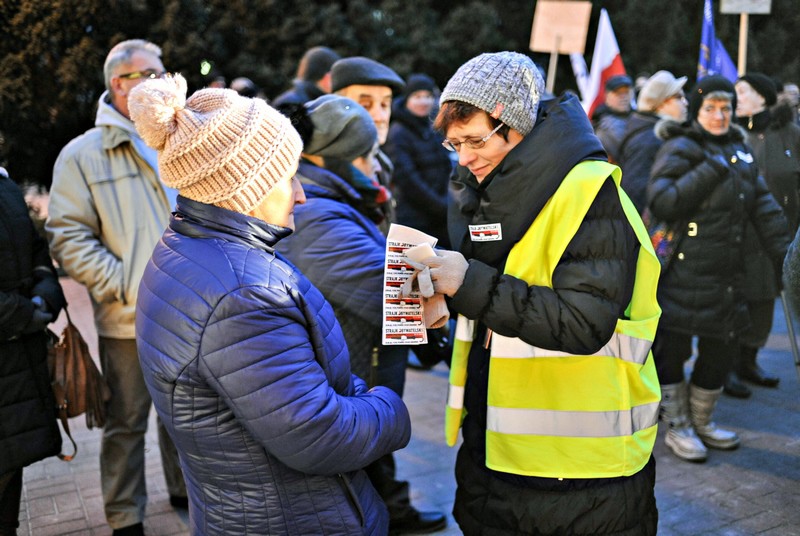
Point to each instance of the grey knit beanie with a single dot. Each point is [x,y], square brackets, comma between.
[342,128]
[506,85]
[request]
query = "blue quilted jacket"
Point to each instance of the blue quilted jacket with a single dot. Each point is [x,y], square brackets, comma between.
[249,372]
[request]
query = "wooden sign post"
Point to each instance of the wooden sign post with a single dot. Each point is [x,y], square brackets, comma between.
[559,27]
[744,8]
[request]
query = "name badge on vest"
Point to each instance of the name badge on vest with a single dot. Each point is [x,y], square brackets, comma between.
[489,232]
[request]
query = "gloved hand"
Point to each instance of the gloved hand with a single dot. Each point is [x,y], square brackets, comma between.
[39,320]
[435,311]
[447,271]
[422,276]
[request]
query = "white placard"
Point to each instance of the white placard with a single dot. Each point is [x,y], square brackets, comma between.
[756,7]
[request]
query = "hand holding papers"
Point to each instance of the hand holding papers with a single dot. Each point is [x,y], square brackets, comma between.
[408,311]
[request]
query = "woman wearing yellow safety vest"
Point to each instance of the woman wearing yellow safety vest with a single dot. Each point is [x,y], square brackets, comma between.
[555,281]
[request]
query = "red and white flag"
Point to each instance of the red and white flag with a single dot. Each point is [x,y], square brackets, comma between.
[606,62]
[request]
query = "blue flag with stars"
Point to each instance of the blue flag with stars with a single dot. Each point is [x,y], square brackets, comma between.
[714,59]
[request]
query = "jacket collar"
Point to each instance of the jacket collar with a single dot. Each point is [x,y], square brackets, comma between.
[667,129]
[108,116]
[320,182]
[515,192]
[200,220]
[756,122]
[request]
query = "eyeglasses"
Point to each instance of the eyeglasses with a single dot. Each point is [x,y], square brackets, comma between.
[147,73]
[471,144]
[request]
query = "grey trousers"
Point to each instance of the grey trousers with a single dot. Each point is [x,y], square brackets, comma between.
[122,465]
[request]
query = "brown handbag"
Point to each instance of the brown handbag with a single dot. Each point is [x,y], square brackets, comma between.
[77,385]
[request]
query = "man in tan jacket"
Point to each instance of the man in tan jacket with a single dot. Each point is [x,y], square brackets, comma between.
[107,211]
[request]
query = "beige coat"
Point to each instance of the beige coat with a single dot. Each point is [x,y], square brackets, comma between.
[107,212]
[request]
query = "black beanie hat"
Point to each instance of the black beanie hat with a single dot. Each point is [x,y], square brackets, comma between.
[706,86]
[419,82]
[764,85]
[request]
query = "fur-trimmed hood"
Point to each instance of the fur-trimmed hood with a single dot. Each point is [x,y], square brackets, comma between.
[668,128]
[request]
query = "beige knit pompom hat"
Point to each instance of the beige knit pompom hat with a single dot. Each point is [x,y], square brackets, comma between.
[216,147]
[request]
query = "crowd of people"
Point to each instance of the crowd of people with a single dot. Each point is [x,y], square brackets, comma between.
[234,247]
[718,166]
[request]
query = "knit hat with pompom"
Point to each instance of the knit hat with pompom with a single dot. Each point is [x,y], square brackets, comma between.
[217,147]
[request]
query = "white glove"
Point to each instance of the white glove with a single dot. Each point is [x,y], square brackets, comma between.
[447,271]
[422,276]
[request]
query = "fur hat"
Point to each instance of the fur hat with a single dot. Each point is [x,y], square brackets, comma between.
[216,147]
[505,85]
[359,70]
[705,86]
[342,128]
[763,85]
[658,89]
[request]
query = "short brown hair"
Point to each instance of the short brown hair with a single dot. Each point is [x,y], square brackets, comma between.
[452,112]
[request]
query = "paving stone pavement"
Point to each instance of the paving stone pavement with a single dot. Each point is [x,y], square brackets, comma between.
[749,491]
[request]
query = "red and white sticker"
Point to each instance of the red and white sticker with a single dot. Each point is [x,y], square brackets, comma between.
[486,233]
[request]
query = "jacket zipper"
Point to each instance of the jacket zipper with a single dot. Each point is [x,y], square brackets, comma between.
[353,499]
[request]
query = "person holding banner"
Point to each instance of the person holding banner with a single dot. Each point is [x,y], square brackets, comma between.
[554,280]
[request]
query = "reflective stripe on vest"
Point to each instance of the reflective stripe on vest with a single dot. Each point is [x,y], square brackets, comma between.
[623,346]
[454,412]
[571,423]
[560,415]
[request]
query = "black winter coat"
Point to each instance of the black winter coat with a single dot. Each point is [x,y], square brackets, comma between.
[709,186]
[775,140]
[592,285]
[610,128]
[637,152]
[422,168]
[300,93]
[28,429]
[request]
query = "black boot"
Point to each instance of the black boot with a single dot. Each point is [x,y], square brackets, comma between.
[748,369]
[735,387]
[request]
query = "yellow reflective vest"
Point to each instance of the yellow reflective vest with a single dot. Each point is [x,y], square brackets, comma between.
[560,415]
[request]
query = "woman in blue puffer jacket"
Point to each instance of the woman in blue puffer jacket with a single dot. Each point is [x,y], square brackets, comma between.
[243,356]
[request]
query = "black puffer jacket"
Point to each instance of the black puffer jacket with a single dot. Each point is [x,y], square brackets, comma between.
[775,140]
[710,185]
[422,170]
[637,151]
[591,287]
[301,92]
[609,126]
[28,429]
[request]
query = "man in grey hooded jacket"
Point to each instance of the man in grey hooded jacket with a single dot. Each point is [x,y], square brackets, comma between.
[107,211]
